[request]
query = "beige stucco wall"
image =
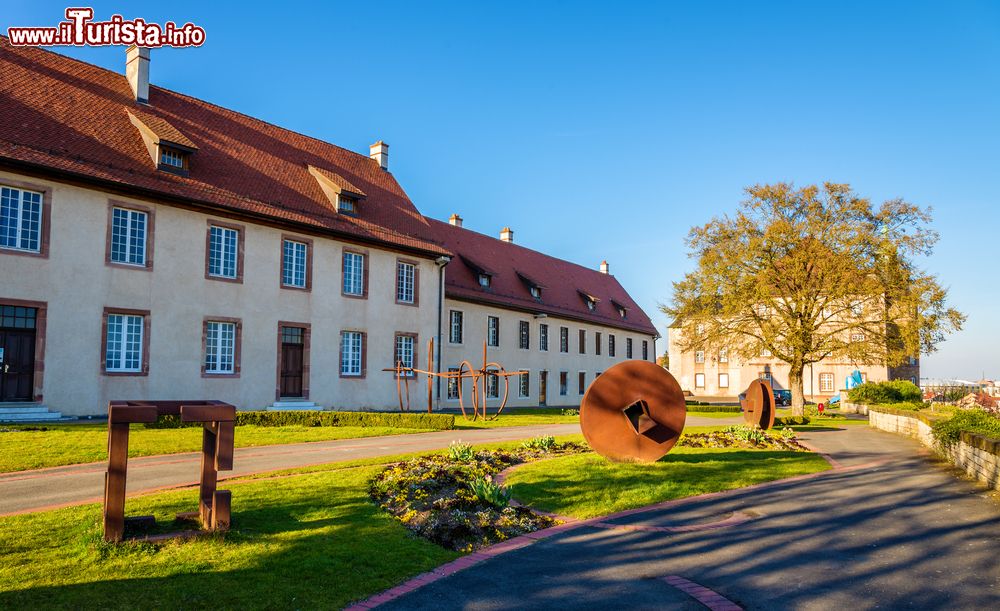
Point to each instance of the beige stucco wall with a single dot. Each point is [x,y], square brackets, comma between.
[512,357]
[78,285]
[741,374]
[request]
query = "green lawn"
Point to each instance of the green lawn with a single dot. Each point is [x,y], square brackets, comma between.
[717,414]
[525,416]
[587,485]
[80,443]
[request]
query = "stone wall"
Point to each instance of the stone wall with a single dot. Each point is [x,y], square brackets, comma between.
[977,455]
[853,408]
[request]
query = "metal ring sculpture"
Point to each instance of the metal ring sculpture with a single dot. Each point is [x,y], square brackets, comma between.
[758,404]
[634,412]
[466,371]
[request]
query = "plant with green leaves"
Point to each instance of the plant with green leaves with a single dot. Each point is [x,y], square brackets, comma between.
[806,274]
[544,443]
[461,452]
[490,492]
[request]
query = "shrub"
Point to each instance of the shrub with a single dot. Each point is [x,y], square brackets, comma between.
[439,422]
[896,391]
[976,421]
[791,420]
[545,443]
[461,452]
[705,407]
[490,492]
[571,412]
[743,432]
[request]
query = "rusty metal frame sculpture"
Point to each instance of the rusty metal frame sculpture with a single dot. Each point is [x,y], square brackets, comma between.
[634,412]
[466,371]
[218,420]
[758,404]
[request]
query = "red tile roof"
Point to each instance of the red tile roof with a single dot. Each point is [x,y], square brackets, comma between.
[514,268]
[69,117]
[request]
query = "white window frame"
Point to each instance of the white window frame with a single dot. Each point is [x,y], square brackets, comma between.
[493,331]
[124,342]
[699,376]
[485,281]
[122,250]
[724,376]
[723,355]
[223,250]
[451,389]
[294,263]
[354,274]
[403,352]
[220,341]
[524,335]
[171,157]
[492,382]
[346,204]
[352,345]
[406,274]
[456,326]
[24,219]
[611,345]
[826,382]
[524,384]
[628,347]
[543,337]
[563,383]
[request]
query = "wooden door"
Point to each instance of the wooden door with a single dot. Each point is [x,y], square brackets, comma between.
[17,364]
[292,353]
[543,378]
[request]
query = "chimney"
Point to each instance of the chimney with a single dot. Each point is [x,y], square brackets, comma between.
[380,153]
[455,220]
[605,269]
[506,235]
[137,72]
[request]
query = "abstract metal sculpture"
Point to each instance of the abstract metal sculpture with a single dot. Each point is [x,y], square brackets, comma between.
[758,404]
[218,419]
[633,412]
[489,371]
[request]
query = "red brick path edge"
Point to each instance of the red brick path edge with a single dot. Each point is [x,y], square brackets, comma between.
[718,603]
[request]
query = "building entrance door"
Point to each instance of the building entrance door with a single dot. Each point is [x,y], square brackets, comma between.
[543,378]
[292,353]
[17,353]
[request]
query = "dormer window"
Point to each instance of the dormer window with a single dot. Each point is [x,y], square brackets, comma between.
[622,312]
[484,280]
[591,305]
[171,157]
[347,204]
[536,292]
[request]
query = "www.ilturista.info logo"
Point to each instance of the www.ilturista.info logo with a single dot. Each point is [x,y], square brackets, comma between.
[80,30]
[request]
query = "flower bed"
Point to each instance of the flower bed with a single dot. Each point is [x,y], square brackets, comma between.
[452,499]
[743,436]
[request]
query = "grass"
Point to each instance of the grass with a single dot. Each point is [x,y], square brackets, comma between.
[525,416]
[81,443]
[587,485]
[311,538]
[716,414]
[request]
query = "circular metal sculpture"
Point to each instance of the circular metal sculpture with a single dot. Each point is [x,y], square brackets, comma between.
[758,404]
[633,412]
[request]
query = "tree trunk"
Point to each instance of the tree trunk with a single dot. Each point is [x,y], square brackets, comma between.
[798,394]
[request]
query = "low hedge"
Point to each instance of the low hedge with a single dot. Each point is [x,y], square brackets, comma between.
[438,422]
[975,421]
[896,391]
[791,420]
[705,407]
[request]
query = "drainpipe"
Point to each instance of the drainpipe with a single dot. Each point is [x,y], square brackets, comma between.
[441,263]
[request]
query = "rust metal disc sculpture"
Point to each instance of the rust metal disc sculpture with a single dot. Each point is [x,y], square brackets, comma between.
[758,404]
[633,412]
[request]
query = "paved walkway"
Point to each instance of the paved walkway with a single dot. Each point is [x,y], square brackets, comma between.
[887,529]
[25,491]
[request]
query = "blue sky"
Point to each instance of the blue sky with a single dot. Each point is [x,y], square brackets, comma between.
[606,130]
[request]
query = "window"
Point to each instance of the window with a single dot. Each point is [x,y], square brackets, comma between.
[20,219]
[347,204]
[699,329]
[765,375]
[699,380]
[224,252]
[583,341]
[597,343]
[524,385]
[563,383]
[723,380]
[645,350]
[404,352]
[355,274]
[864,377]
[628,347]
[699,356]
[582,382]
[455,327]
[591,305]
[220,347]
[622,312]
[723,355]
[611,345]
[453,383]
[524,335]
[484,280]
[294,264]
[765,352]
[826,382]
[406,279]
[536,292]
[857,337]
[18,317]
[492,331]
[563,339]
[128,236]
[543,337]
[352,354]
[124,340]
[492,385]
[171,157]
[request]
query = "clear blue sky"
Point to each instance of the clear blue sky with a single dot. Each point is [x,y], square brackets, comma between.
[607,129]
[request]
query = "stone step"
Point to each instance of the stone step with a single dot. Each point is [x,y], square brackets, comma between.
[22,408]
[293,405]
[28,412]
